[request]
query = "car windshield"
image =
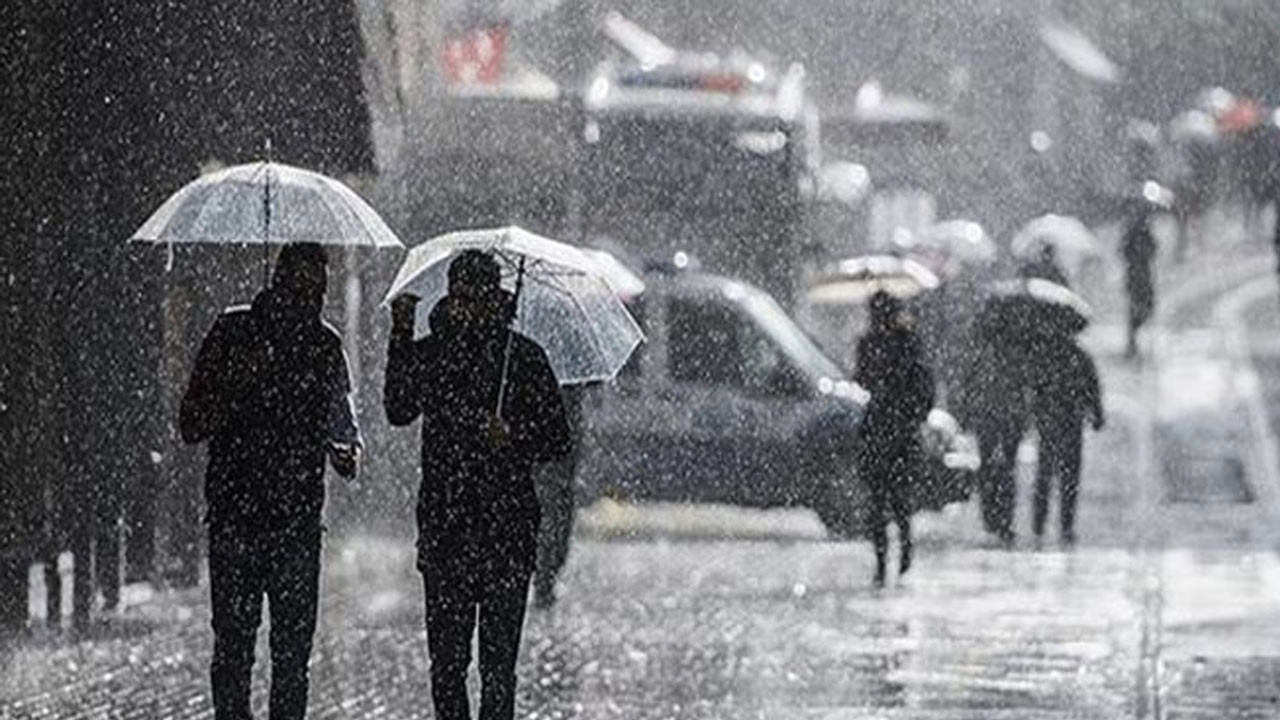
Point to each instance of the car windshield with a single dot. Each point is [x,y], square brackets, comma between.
[775,322]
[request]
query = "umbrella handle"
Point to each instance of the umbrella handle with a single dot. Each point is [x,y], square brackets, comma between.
[506,353]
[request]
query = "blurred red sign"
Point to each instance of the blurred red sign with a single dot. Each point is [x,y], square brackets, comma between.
[474,58]
[1240,116]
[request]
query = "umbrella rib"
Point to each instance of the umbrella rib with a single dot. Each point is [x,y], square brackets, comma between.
[323,195]
[341,190]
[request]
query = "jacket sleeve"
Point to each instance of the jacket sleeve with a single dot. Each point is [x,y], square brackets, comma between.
[1092,387]
[403,383]
[861,365]
[343,428]
[203,405]
[925,388]
[543,432]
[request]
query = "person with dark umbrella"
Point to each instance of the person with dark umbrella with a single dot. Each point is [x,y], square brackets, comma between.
[1065,392]
[270,392]
[891,366]
[1138,249]
[490,409]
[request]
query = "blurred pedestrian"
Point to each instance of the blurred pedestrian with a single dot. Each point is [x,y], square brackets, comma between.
[478,510]
[555,484]
[1138,250]
[270,392]
[1066,392]
[1046,266]
[995,405]
[891,366]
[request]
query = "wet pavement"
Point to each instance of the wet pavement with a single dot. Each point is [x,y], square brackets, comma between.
[1169,606]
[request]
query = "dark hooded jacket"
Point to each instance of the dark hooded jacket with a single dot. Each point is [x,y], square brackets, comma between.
[477,507]
[270,391]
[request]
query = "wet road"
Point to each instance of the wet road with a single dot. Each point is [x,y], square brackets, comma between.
[1169,607]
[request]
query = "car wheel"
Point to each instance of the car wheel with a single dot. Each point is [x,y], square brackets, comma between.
[841,504]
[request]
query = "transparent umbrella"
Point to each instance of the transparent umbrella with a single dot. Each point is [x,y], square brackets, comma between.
[567,298]
[266,203]
[1070,237]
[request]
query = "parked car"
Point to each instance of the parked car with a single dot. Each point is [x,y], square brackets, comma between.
[729,401]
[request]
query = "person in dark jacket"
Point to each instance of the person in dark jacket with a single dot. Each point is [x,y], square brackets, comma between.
[1138,249]
[994,404]
[1066,392]
[478,510]
[270,392]
[891,366]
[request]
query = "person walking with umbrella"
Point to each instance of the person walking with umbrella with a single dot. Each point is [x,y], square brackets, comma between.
[1019,329]
[993,402]
[490,409]
[1138,249]
[1065,392]
[891,366]
[270,393]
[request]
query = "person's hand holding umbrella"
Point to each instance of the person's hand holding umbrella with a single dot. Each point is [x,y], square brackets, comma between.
[345,458]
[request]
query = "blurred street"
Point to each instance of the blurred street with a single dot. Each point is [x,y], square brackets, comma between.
[1168,607]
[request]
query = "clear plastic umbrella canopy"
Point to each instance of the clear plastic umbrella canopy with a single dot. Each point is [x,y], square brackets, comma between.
[267,203]
[569,300]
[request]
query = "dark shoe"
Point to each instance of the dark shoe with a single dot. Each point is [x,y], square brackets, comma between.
[878,580]
[1069,538]
[904,558]
[1007,538]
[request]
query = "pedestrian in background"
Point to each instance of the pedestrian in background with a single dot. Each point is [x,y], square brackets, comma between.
[270,392]
[891,366]
[555,484]
[994,403]
[1138,250]
[1065,393]
[478,511]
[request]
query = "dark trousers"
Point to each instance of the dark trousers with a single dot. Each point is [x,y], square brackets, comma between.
[1060,451]
[998,485]
[890,469]
[452,610]
[243,567]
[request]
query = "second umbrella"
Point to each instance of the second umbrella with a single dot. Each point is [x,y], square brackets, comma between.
[567,302]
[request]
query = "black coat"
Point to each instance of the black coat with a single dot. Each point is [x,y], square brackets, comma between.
[478,512]
[994,398]
[1065,388]
[270,391]
[891,366]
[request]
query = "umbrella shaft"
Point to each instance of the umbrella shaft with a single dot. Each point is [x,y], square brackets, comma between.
[506,353]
